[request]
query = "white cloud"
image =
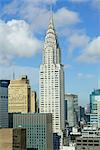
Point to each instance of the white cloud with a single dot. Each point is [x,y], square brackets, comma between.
[45,1]
[91,53]
[78,1]
[39,17]
[37,13]
[16,36]
[16,39]
[67,66]
[65,17]
[32,73]
[96,4]
[85,76]
[40,1]
[93,3]
[77,41]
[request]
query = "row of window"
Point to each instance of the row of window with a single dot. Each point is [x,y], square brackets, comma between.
[88,144]
[4,96]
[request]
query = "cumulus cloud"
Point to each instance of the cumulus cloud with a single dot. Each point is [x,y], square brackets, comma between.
[93,3]
[77,41]
[65,17]
[37,13]
[67,66]
[16,39]
[39,18]
[96,4]
[78,1]
[84,75]
[91,53]
[31,11]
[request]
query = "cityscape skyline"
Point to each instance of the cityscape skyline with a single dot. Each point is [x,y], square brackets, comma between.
[77,35]
[49,74]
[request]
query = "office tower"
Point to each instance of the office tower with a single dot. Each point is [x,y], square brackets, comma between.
[89,140]
[87,109]
[95,117]
[81,113]
[87,113]
[52,80]
[4,103]
[38,129]
[19,96]
[94,96]
[12,139]
[72,109]
[95,108]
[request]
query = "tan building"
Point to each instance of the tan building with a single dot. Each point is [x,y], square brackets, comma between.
[33,103]
[12,139]
[19,96]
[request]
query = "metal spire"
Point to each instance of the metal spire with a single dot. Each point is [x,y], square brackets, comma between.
[51,8]
[51,11]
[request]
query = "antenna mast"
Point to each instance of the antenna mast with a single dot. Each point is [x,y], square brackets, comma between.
[51,8]
[13,75]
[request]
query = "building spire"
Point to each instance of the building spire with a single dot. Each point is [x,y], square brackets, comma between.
[51,50]
[51,8]
[51,22]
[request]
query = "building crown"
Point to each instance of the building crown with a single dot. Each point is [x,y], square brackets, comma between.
[51,50]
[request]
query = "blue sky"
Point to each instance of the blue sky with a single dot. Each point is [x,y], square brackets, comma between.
[23,26]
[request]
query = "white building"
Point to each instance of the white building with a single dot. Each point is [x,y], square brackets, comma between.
[4,103]
[68,147]
[52,80]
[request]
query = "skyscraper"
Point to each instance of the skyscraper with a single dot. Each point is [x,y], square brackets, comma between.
[38,129]
[52,79]
[94,96]
[72,109]
[20,97]
[4,103]
[95,108]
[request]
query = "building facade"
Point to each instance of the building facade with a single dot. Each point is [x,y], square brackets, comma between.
[94,96]
[4,103]
[20,97]
[95,108]
[52,80]
[33,104]
[95,117]
[72,109]
[81,113]
[12,139]
[38,129]
[90,139]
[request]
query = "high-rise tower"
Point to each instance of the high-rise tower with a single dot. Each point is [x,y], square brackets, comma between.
[20,96]
[4,103]
[52,79]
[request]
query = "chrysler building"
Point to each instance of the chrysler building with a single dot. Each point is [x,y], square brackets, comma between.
[52,80]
